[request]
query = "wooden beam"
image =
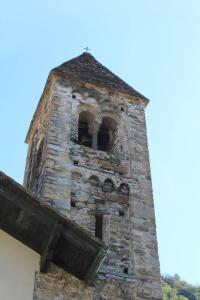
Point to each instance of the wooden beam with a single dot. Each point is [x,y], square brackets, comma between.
[47,256]
[45,230]
[96,264]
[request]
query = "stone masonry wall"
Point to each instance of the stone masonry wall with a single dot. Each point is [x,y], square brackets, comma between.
[83,182]
[58,285]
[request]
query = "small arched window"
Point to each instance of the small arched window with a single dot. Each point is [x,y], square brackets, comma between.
[84,137]
[124,189]
[106,134]
[108,186]
[94,180]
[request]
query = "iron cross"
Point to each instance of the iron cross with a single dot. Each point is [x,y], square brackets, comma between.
[87,49]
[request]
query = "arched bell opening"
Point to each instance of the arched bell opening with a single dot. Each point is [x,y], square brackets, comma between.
[107,134]
[84,136]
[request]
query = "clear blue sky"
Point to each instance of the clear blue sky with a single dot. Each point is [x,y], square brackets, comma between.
[154,45]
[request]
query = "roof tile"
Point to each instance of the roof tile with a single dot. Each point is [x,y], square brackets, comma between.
[86,68]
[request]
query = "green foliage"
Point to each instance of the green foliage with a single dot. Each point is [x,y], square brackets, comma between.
[176,289]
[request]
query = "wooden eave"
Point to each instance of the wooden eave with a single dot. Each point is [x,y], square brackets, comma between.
[40,227]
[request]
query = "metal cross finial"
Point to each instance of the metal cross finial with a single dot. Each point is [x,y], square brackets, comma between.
[87,49]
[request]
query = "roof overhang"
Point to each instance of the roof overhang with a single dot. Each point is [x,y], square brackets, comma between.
[56,238]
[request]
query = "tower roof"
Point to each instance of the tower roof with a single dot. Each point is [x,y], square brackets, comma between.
[86,68]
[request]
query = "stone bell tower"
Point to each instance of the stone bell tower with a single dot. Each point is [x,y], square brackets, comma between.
[88,158]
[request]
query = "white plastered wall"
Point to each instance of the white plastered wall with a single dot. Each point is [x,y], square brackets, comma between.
[18,264]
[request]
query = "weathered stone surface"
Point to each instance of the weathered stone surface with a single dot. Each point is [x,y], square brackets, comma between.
[62,173]
[58,285]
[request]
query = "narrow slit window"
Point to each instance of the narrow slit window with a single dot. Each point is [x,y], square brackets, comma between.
[73,203]
[121,213]
[99,226]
